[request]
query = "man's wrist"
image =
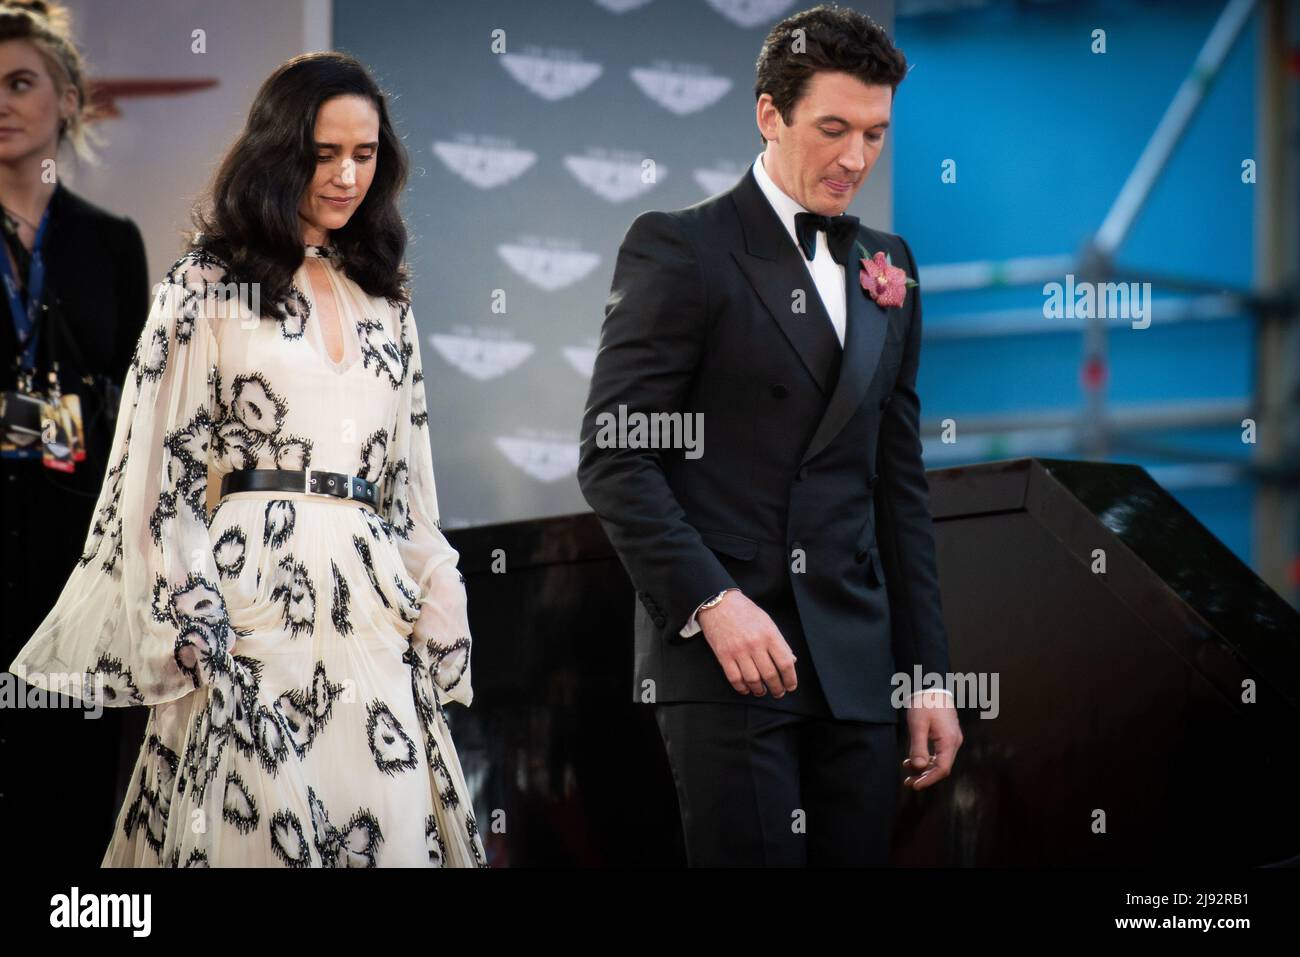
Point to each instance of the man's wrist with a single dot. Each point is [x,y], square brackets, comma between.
[714,601]
[693,626]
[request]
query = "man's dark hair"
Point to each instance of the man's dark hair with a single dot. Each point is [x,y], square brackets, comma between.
[825,38]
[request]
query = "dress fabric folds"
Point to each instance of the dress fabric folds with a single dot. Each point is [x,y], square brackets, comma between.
[296,651]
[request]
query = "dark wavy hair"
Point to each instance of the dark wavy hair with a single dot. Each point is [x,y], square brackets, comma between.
[832,38]
[250,218]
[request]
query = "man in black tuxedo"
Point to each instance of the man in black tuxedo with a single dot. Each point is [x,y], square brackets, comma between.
[800,541]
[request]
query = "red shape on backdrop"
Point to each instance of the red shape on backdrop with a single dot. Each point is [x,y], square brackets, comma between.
[105,93]
[1093,374]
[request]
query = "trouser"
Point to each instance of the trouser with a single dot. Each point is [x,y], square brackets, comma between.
[759,787]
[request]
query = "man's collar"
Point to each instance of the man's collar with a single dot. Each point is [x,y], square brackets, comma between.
[786,207]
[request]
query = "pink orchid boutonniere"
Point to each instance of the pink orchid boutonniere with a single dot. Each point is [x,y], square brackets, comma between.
[884,282]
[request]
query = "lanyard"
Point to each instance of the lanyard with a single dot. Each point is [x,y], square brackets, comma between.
[25,314]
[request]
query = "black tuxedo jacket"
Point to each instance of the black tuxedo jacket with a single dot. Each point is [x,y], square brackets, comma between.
[810,495]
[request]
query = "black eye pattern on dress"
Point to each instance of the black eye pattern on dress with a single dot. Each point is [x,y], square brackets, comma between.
[411,603]
[239,807]
[272,739]
[277,528]
[339,606]
[148,812]
[395,498]
[229,552]
[287,839]
[373,452]
[355,844]
[304,712]
[378,525]
[255,405]
[450,662]
[108,518]
[203,640]
[185,474]
[191,308]
[380,353]
[161,606]
[363,549]
[233,709]
[419,413]
[202,758]
[437,848]
[295,589]
[471,831]
[150,360]
[391,746]
[118,683]
[249,433]
[197,858]
[422,690]
[441,775]
[293,312]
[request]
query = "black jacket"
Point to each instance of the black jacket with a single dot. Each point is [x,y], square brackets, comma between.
[805,456]
[97,290]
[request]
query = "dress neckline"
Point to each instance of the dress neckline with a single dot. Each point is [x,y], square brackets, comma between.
[315,336]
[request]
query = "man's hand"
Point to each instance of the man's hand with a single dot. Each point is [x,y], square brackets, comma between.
[931,717]
[749,646]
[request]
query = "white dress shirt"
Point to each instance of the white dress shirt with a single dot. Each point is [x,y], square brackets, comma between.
[827,274]
[828,278]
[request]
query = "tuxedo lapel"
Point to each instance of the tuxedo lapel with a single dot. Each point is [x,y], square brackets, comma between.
[775,268]
[864,338]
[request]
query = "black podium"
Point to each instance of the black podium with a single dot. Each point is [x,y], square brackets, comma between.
[1130,690]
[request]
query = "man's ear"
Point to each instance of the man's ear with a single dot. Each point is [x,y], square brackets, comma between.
[766,107]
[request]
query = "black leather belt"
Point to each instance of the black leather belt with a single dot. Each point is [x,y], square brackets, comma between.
[311,481]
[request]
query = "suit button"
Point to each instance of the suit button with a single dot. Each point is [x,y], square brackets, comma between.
[871,483]
[803,473]
[780,390]
[660,621]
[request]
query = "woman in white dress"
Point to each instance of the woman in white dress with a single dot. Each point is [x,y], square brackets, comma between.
[295,648]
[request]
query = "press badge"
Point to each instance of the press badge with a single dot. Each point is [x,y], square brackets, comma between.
[62,440]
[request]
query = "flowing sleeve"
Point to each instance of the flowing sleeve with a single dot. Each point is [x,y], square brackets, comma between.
[409,501]
[142,611]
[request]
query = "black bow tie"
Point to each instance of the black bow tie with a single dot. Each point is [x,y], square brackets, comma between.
[841,231]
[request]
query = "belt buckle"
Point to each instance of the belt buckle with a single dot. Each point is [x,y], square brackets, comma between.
[308,473]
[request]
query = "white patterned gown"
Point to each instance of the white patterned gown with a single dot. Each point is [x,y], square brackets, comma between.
[295,651]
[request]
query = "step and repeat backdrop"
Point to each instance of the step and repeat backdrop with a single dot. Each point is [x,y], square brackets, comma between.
[537,133]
